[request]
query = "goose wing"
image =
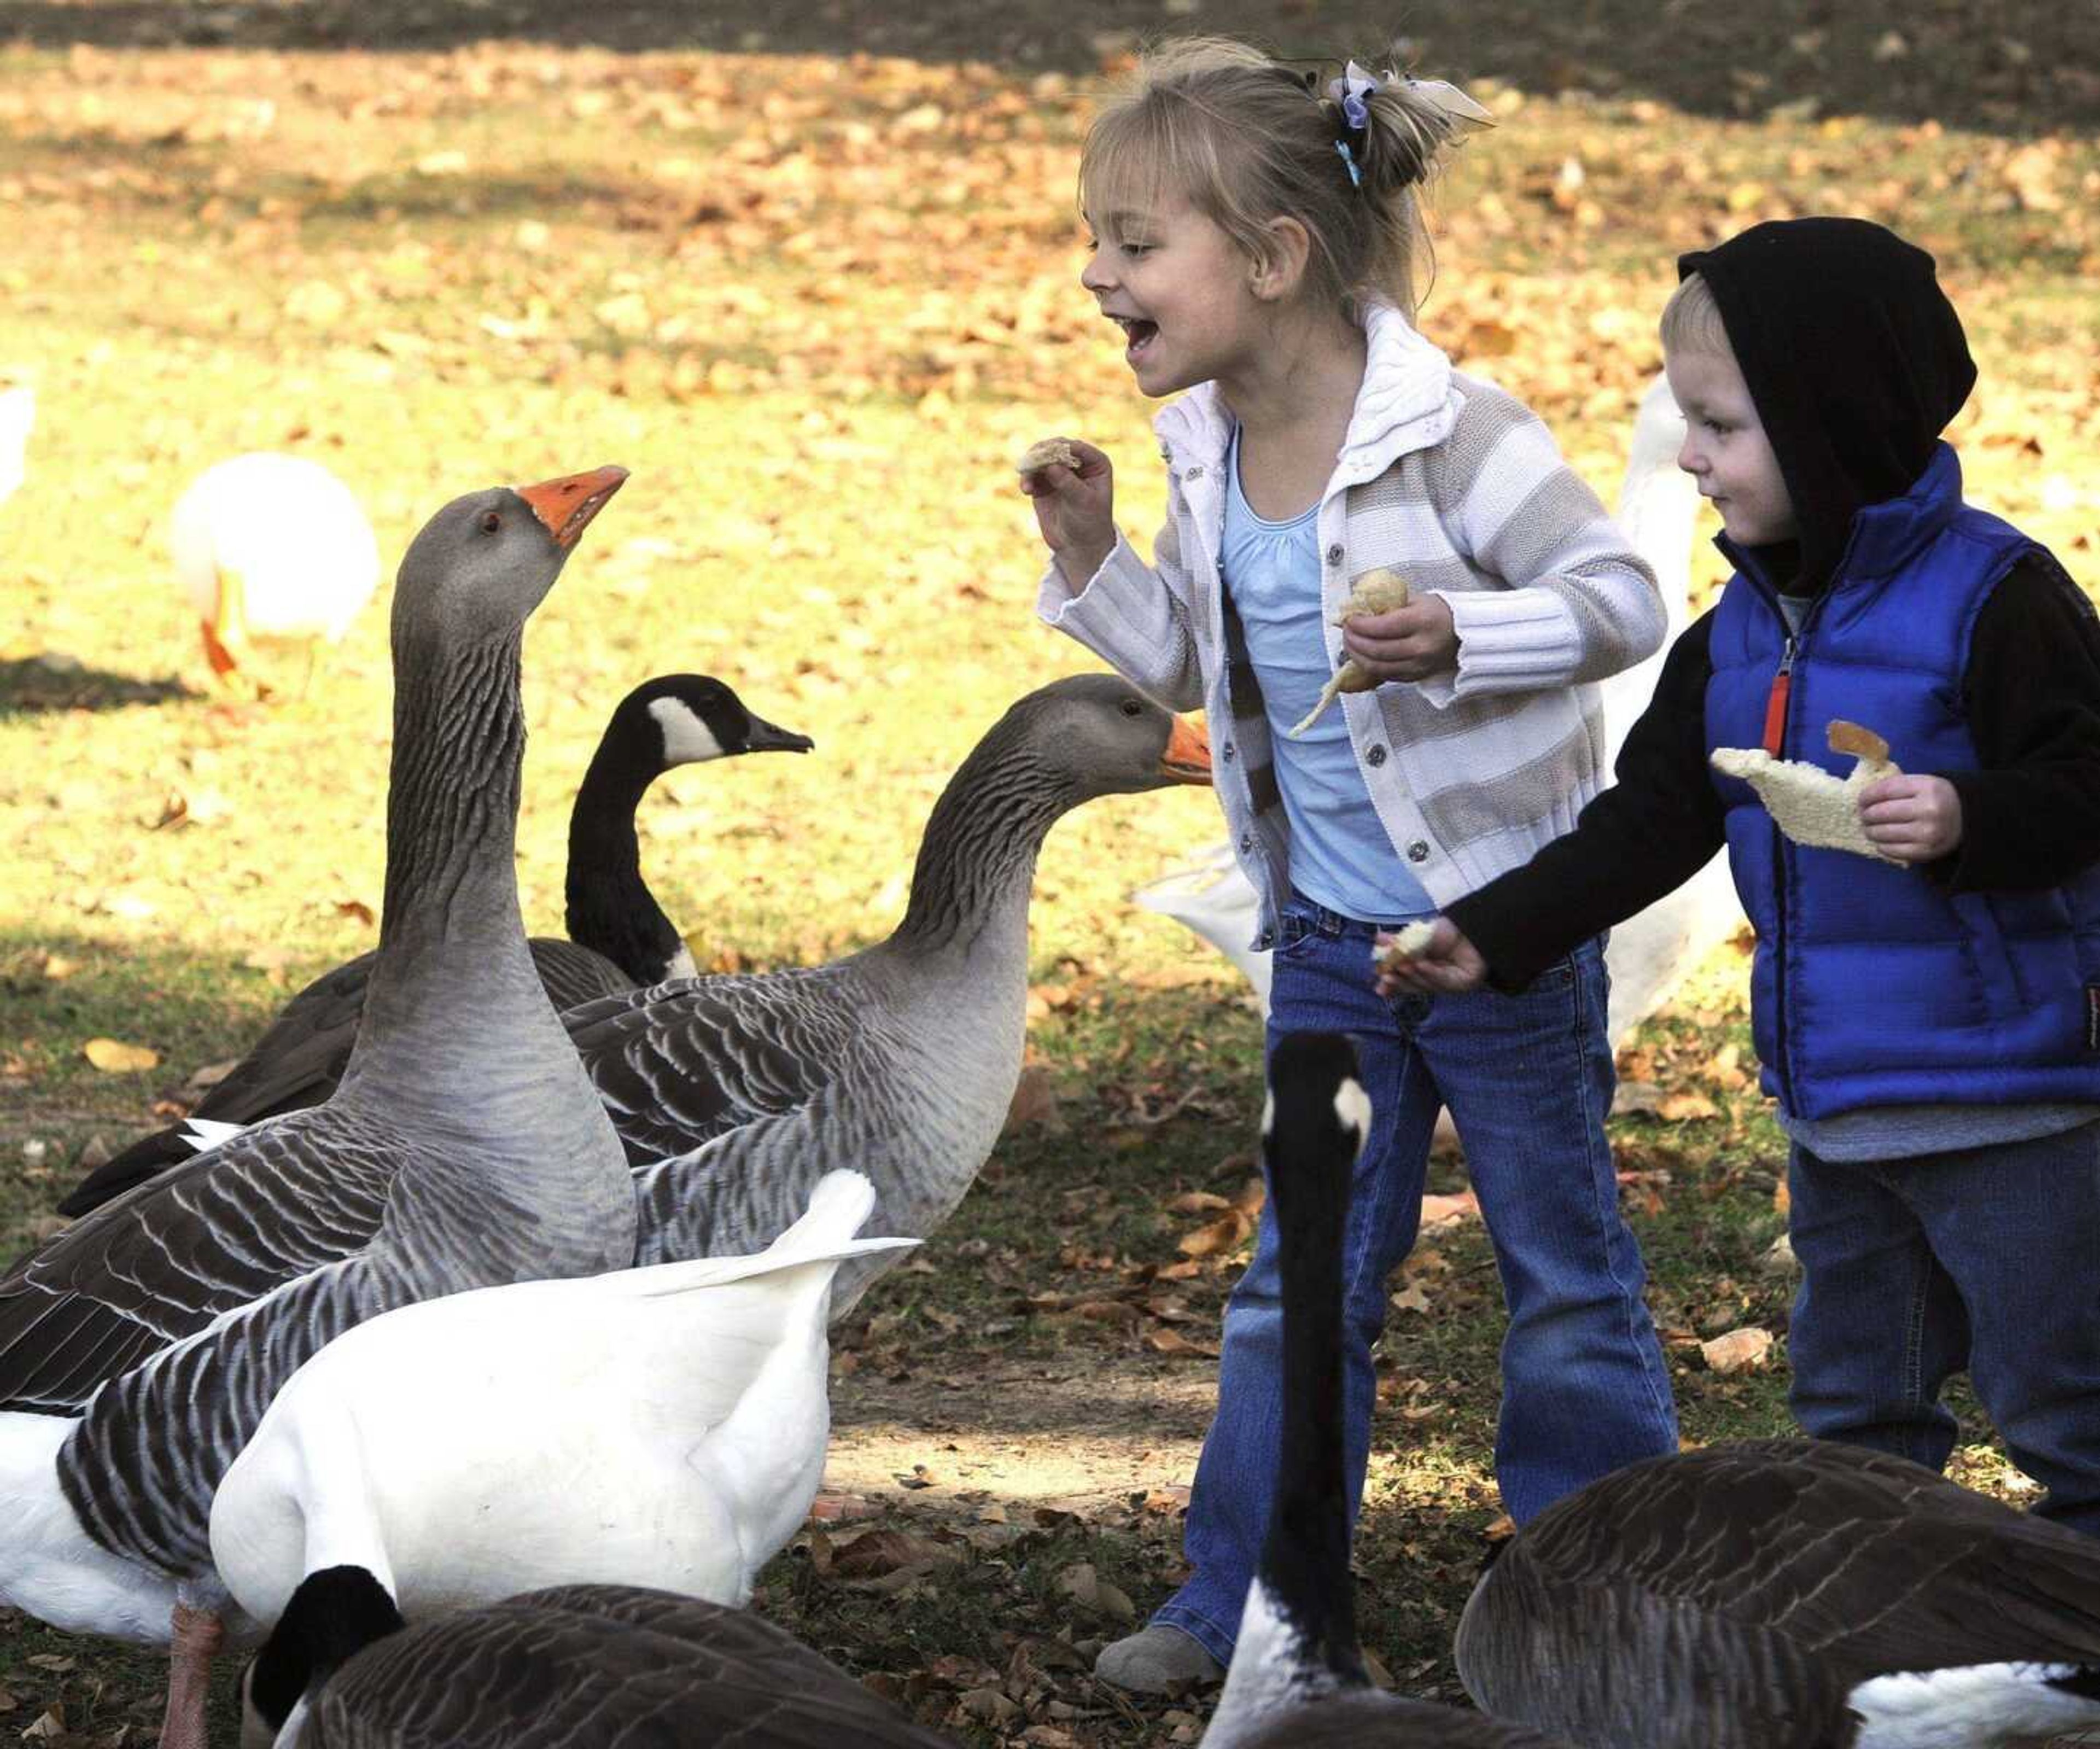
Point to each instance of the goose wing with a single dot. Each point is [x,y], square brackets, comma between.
[206,1237]
[596,1664]
[682,1062]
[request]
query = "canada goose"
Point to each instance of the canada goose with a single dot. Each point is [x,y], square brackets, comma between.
[1787,1594]
[619,937]
[1297,1675]
[139,1348]
[275,553]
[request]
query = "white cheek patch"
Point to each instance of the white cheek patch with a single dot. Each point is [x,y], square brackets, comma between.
[1268,1114]
[686,740]
[1352,1106]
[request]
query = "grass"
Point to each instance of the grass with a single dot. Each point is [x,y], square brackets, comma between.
[817,319]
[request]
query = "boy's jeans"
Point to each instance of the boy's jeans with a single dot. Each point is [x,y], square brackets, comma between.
[1528,1080]
[1983,1258]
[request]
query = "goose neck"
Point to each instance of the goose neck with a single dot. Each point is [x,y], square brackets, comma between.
[980,845]
[609,905]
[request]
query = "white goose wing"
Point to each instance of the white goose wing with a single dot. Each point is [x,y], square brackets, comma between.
[207,1237]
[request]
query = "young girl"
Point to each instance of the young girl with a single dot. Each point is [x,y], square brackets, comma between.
[1255,238]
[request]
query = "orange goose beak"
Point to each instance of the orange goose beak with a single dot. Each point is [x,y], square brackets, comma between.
[566,506]
[1186,759]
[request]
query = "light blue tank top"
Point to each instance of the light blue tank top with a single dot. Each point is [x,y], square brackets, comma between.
[1340,856]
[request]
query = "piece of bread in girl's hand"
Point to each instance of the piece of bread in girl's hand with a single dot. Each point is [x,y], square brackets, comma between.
[1809,805]
[1052,451]
[1407,941]
[1380,591]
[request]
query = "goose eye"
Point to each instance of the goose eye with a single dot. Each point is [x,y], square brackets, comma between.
[1132,708]
[491,521]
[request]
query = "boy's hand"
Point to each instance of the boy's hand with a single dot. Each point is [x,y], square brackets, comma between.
[1446,962]
[1075,509]
[1413,642]
[1915,820]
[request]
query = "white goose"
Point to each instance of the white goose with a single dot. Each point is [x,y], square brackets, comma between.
[660,1426]
[1297,1678]
[139,1348]
[619,937]
[274,551]
[1787,1594]
[1649,955]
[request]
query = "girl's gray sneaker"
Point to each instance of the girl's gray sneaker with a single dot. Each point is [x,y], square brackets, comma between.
[1158,1660]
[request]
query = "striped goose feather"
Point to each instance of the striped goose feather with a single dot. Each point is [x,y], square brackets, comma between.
[464,1146]
[620,937]
[734,1095]
[1740,1597]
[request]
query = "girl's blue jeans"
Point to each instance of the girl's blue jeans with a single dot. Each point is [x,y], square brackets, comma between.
[1984,1260]
[1528,1080]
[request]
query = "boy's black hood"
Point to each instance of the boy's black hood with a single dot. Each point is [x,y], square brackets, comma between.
[1854,357]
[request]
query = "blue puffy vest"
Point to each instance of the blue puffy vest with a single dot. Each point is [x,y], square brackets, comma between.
[1873,985]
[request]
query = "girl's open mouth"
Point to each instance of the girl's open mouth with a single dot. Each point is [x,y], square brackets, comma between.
[1138,334]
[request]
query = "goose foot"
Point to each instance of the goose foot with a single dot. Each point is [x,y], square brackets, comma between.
[195,1638]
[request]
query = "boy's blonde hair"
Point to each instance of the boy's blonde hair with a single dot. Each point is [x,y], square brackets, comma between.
[1246,140]
[1691,321]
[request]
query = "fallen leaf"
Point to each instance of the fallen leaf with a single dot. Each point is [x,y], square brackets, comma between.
[1173,1342]
[113,1057]
[1221,1235]
[1683,1107]
[1739,1350]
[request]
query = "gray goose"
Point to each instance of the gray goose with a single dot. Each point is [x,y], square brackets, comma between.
[139,1348]
[573,1666]
[734,1095]
[619,936]
[1297,1680]
[1787,1594]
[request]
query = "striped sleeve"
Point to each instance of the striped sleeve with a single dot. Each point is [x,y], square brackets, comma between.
[1576,602]
[1133,616]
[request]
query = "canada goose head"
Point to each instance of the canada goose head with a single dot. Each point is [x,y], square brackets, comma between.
[333,1615]
[478,568]
[695,718]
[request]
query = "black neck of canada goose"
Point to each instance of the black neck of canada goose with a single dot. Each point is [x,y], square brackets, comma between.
[334,1614]
[610,907]
[1317,1118]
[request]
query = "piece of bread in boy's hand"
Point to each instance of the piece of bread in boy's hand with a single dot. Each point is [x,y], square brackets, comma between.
[1052,451]
[1379,591]
[1809,805]
[1407,941]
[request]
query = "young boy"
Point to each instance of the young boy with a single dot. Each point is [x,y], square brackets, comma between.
[1930,1025]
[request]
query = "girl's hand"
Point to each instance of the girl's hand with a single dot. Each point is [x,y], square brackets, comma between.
[1075,511]
[1413,642]
[1447,963]
[1915,820]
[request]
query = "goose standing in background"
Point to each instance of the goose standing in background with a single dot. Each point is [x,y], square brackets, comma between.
[575,1666]
[1647,956]
[1787,1594]
[734,1095]
[619,936]
[139,1348]
[1297,1680]
[275,553]
[661,1427]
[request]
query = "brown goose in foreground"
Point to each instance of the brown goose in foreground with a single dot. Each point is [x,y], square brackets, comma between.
[1787,1594]
[619,937]
[139,1348]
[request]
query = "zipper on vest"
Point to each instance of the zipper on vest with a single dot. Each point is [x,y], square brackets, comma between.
[1782,688]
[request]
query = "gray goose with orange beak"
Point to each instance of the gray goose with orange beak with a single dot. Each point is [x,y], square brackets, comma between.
[734,1096]
[465,1148]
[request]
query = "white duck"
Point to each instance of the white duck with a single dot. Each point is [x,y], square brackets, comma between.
[274,551]
[139,1348]
[662,1426]
[1649,955]
[1787,1594]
